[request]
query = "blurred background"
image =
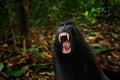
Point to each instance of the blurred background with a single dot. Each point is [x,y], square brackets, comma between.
[27,31]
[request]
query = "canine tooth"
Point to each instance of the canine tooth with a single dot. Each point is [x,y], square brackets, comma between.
[59,38]
[67,36]
[63,34]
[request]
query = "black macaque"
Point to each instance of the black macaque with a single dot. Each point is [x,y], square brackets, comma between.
[72,55]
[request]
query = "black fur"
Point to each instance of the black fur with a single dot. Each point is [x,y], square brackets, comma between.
[80,63]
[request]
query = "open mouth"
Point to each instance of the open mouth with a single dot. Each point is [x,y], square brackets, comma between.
[64,37]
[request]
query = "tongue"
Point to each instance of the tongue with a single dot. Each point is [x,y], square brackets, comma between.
[66,47]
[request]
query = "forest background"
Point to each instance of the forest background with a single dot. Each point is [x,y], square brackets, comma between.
[27,31]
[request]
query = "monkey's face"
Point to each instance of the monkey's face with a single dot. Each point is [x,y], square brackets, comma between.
[65,38]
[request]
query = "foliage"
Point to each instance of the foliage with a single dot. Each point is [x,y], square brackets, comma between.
[51,12]
[18,73]
[93,17]
[99,49]
[1,66]
[92,14]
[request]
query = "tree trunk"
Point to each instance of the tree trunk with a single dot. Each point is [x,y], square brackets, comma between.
[23,16]
[11,22]
[106,3]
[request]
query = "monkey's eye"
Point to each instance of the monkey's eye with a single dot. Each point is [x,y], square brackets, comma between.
[64,37]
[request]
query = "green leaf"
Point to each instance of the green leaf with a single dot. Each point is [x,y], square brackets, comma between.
[94,33]
[40,75]
[18,73]
[1,55]
[38,55]
[86,14]
[92,10]
[110,58]
[37,48]
[31,49]
[99,49]
[1,66]
[93,20]
[44,65]
[52,73]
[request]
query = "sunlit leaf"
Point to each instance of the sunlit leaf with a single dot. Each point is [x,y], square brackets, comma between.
[9,65]
[110,58]
[52,73]
[5,45]
[1,66]
[86,14]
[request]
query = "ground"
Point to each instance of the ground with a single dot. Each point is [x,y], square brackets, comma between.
[38,63]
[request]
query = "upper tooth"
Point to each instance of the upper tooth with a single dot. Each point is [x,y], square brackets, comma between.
[68,36]
[63,34]
[59,39]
